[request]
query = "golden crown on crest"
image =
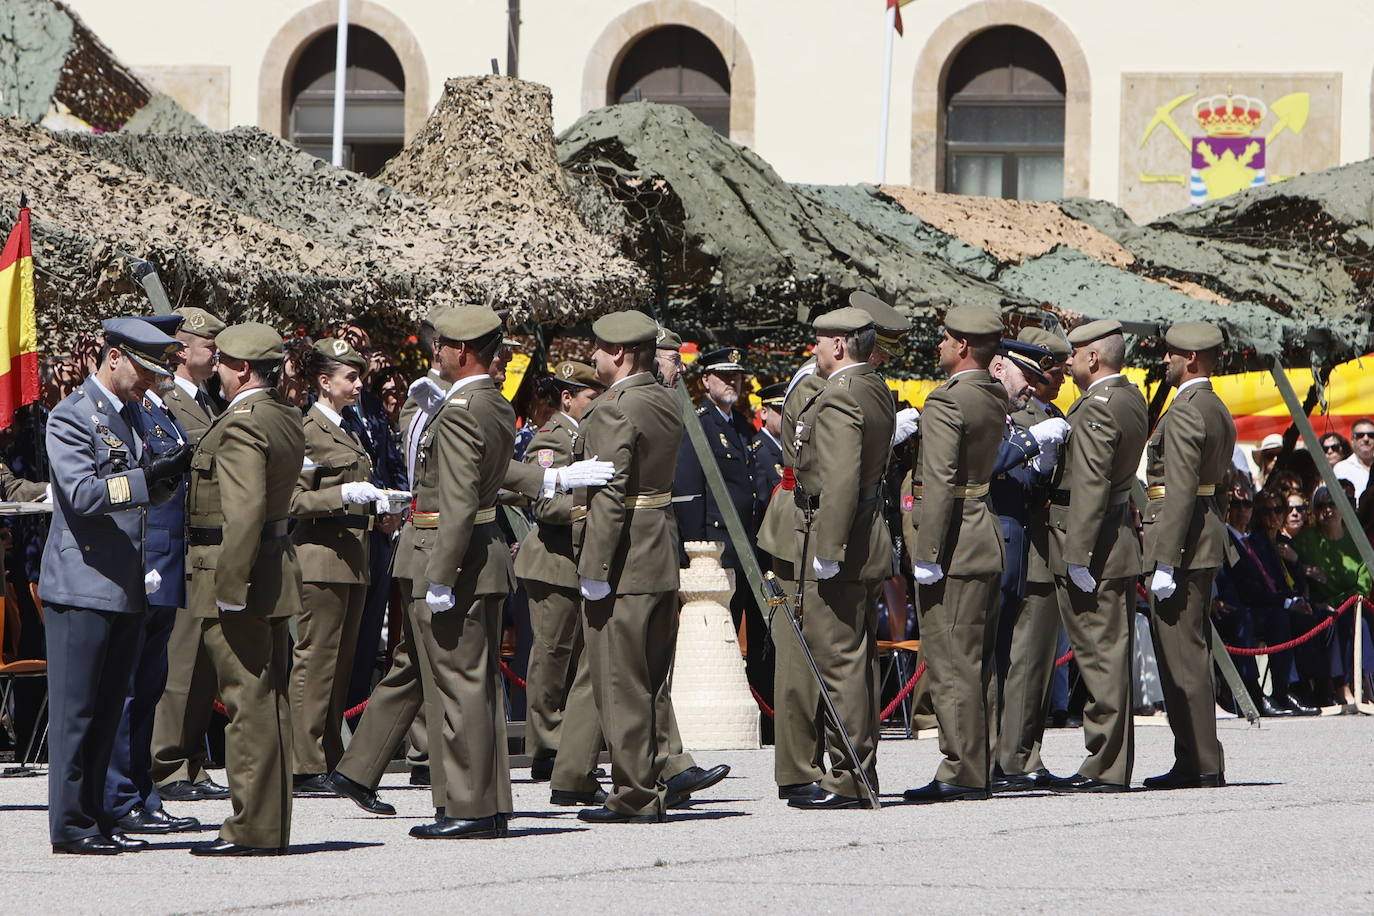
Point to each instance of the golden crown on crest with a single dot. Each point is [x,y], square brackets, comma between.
[1229,115]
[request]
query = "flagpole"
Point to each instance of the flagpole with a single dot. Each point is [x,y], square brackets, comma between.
[889,30]
[340,66]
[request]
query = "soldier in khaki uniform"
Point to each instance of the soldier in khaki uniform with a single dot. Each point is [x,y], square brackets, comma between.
[245,583]
[957,551]
[843,440]
[626,544]
[463,571]
[334,504]
[545,565]
[183,712]
[1185,544]
[1094,551]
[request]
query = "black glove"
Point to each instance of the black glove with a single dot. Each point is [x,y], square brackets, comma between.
[169,465]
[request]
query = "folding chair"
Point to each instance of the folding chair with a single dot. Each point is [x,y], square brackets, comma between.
[12,670]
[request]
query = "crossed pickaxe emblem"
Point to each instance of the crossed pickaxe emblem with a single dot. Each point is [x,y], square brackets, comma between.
[1292,111]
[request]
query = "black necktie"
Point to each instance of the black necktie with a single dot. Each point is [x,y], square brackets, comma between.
[204,401]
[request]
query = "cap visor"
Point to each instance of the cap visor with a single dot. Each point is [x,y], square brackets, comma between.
[147,363]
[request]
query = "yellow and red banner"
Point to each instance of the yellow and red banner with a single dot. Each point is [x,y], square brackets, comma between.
[18,323]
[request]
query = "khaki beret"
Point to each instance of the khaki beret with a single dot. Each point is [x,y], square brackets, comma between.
[847,320]
[342,350]
[1049,340]
[199,322]
[252,340]
[1094,330]
[572,373]
[626,328]
[1193,336]
[973,319]
[466,322]
[888,321]
[667,339]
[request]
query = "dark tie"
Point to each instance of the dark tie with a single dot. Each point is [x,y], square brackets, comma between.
[204,401]
[353,425]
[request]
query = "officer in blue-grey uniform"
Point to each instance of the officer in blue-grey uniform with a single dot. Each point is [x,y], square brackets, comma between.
[95,578]
[766,448]
[130,793]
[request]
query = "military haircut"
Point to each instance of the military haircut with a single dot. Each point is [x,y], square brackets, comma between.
[1209,358]
[982,347]
[860,344]
[266,370]
[428,336]
[1110,349]
[486,346]
[644,356]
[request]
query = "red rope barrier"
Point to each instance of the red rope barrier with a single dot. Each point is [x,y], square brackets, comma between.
[1299,640]
[1064,659]
[763,704]
[511,676]
[903,693]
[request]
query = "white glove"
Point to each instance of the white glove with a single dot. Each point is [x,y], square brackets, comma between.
[439,598]
[908,422]
[393,501]
[928,573]
[426,393]
[47,495]
[361,492]
[152,581]
[589,472]
[1082,578]
[1050,432]
[594,589]
[824,569]
[1162,583]
[225,606]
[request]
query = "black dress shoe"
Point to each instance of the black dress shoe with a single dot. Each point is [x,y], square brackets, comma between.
[798,789]
[938,791]
[693,779]
[1080,783]
[1269,709]
[222,847]
[211,789]
[87,846]
[127,843]
[821,800]
[541,769]
[452,828]
[357,793]
[1172,780]
[1016,782]
[419,776]
[604,815]
[181,790]
[313,786]
[1043,778]
[1294,705]
[568,798]
[141,820]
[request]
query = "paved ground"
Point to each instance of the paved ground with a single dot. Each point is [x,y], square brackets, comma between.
[1291,834]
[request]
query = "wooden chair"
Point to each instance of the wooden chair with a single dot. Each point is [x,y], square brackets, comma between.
[13,669]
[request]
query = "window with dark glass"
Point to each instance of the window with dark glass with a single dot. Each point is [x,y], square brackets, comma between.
[1004,118]
[676,65]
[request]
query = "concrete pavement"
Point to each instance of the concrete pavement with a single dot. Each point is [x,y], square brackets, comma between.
[1292,833]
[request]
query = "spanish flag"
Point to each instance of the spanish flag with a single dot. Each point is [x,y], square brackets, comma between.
[18,324]
[896,7]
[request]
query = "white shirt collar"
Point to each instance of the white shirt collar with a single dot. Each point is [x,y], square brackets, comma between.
[329,413]
[115,402]
[837,372]
[965,372]
[245,393]
[1192,381]
[723,415]
[186,385]
[776,440]
[464,382]
[152,395]
[567,416]
[1104,379]
[627,378]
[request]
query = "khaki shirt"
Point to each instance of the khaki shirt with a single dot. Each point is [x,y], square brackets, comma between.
[782,520]
[243,474]
[194,419]
[1191,447]
[546,553]
[327,550]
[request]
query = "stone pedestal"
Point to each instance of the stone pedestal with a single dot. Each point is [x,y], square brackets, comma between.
[711,697]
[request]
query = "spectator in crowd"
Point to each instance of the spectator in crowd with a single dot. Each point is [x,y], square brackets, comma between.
[1301,463]
[1336,448]
[295,385]
[389,387]
[1356,467]
[1336,571]
[1265,456]
[1295,514]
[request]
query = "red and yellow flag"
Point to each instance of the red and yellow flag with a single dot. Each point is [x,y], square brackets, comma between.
[18,324]
[896,7]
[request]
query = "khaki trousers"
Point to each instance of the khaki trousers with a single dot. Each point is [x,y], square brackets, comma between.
[460,652]
[579,738]
[395,707]
[1026,693]
[798,751]
[1101,629]
[183,713]
[1183,639]
[958,640]
[629,642]
[321,665]
[250,655]
[839,622]
[555,654]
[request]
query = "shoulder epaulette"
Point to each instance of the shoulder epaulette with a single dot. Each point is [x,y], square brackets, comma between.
[754,446]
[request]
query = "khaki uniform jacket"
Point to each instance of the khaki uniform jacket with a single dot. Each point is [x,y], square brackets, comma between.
[242,476]
[1191,447]
[843,442]
[546,553]
[962,425]
[463,458]
[1038,520]
[782,520]
[328,551]
[1108,426]
[637,426]
[193,418]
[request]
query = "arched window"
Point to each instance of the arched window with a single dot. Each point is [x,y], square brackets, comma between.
[1004,117]
[676,65]
[374,100]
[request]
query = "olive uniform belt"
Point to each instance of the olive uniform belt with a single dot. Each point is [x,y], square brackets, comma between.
[1157,491]
[971,491]
[652,501]
[204,536]
[431,519]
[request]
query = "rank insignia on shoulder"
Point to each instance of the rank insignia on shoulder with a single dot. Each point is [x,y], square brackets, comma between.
[701,411]
[101,429]
[243,410]
[545,457]
[461,402]
[1102,397]
[118,489]
[754,446]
